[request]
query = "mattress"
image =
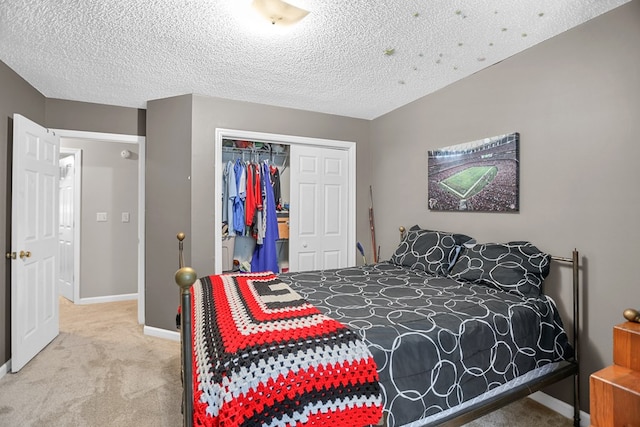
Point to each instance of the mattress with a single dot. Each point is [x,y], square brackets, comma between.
[437,343]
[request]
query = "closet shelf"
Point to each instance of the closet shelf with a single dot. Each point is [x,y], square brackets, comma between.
[266,152]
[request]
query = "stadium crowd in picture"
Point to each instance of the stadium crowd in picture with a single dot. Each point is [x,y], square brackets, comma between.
[480,175]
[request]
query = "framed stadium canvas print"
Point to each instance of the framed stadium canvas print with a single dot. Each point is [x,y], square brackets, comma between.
[479,175]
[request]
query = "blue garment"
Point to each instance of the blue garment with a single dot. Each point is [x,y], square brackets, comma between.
[238,203]
[230,200]
[265,256]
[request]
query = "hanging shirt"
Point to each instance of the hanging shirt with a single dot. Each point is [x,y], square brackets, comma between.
[275,183]
[265,256]
[225,193]
[232,194]
[258,221]
[238,205]
[251,202]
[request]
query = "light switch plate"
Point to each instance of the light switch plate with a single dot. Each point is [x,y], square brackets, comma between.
[101,216]
[125,216]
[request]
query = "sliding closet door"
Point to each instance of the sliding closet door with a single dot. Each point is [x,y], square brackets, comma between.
[319,209]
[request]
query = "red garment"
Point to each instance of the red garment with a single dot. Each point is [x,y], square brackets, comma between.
[258,199]
[250,202]
[253,202]
[258,189]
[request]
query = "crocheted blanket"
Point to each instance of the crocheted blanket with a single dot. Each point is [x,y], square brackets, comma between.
[264,356]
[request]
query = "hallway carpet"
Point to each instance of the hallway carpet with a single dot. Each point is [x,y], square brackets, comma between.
[102,371]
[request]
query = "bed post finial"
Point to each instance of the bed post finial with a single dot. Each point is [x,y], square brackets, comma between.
[402,230]
[185,277]
[181,237]
[631,315]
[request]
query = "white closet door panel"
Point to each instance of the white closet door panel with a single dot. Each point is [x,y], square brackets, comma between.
[306,213]
[307,261]
[319,208]
[333,204]
[308,165]
[332,259]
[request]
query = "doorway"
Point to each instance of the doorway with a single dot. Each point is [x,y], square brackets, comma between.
[348,153]
[135,154]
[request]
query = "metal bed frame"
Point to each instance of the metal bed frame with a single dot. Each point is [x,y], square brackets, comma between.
[185,277]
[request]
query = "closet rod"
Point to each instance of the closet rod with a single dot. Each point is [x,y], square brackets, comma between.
[276,158]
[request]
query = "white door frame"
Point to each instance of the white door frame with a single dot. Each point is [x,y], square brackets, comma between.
[126,139]
[349,146]
[77,198]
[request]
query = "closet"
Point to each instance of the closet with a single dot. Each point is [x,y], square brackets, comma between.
[255,206]
[316,221]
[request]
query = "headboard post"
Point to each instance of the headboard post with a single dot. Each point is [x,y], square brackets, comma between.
[185,277]
[575,263]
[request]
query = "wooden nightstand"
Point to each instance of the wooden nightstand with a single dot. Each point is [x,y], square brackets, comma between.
[615,390]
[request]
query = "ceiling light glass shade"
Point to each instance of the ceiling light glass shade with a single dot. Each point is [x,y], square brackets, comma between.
[278,12]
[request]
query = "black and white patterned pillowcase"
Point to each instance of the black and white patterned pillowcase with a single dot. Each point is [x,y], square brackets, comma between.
[462,240]
[429,251]
[516,267]
[459,238]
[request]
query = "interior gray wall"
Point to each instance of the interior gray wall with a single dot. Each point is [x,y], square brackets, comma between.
[90,117]
[109,250]
[574,100]
[167,204]
[17,96]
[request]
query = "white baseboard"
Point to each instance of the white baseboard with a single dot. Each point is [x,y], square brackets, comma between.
[5,368]
[161,333]
[108,298]
[560,407]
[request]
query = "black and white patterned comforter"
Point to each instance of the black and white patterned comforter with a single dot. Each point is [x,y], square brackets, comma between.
[436,342]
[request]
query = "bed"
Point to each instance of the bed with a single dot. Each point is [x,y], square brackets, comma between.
[442,333]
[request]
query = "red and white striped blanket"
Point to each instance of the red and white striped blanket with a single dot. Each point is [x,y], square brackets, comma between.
[264,356]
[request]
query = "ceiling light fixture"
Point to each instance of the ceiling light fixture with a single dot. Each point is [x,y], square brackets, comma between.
[279,12]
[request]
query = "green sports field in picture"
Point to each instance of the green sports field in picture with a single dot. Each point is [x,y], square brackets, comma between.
[470,181]
[480,175]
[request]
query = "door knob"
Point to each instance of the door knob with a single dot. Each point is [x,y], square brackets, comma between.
[24,254]
[10,255]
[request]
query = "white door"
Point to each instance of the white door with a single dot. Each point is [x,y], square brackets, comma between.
[34,240]
[319,212]
[66,231]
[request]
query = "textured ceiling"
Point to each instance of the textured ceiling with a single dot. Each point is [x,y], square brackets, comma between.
[356,58]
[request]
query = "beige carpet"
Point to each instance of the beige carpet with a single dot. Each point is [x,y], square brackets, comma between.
[102,371]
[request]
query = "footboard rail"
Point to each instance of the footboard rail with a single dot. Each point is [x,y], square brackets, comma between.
[575,264]
[185,277]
